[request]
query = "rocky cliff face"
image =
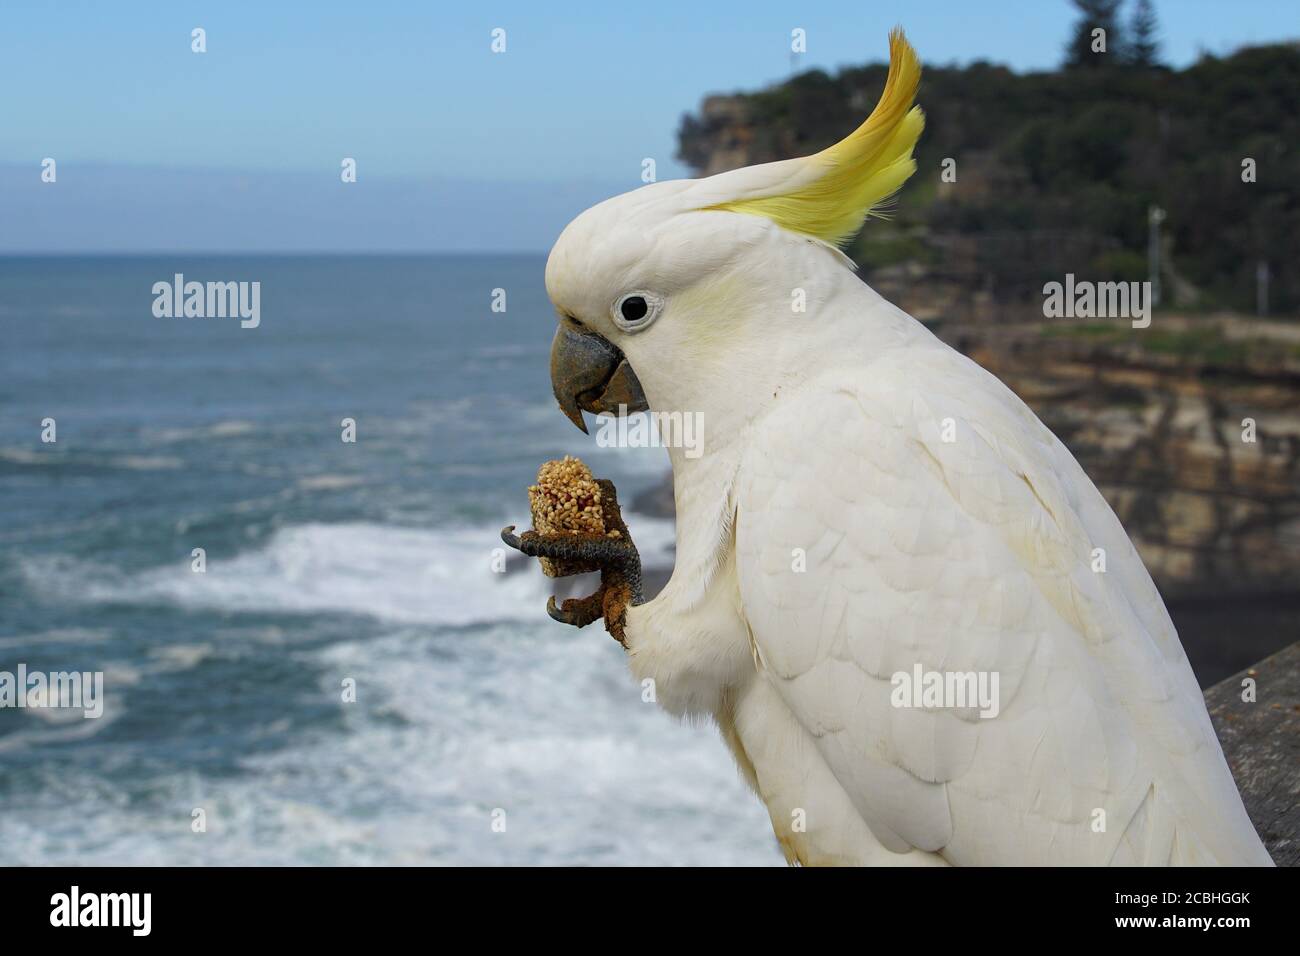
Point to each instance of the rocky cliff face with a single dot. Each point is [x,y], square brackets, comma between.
[1211,500]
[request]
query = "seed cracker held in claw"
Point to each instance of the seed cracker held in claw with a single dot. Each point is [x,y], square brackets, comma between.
[578,527]
[566,500]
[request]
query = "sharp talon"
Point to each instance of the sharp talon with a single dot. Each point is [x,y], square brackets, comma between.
[576,612]
[509,538]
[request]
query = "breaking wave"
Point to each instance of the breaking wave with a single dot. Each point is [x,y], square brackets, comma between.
[402,575]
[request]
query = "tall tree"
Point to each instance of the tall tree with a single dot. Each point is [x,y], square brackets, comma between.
[1143,46]
[1082,51]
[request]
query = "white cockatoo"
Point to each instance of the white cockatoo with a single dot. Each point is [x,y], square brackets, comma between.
[872,527]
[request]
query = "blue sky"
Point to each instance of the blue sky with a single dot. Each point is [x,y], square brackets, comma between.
[412,90]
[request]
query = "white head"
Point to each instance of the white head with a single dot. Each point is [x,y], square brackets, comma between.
[686,280]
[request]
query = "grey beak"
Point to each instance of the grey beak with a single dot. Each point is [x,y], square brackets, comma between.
[589,373]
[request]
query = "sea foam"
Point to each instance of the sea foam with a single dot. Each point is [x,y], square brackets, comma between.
[403,575]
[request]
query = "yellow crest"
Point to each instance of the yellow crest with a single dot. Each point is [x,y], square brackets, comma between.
[845,183]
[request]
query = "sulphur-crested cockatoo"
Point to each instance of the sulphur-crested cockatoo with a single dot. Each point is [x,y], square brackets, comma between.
[922,632]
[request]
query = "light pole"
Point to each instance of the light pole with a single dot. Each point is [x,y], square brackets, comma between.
[1155,216]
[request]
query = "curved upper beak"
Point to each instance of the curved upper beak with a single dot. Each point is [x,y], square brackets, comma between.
[589,373]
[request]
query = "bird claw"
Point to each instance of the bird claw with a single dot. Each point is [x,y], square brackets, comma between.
[537,545]
[579,612]
[617,560]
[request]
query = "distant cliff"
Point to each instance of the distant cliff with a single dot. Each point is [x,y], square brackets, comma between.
[1055,172]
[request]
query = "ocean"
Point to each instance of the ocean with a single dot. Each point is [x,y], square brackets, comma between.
[329,565]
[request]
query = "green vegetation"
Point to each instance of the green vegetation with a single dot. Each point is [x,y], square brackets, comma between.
[1055,172]
[1086,330]
[887,248]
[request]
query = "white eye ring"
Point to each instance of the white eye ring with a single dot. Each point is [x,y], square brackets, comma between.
[632,315]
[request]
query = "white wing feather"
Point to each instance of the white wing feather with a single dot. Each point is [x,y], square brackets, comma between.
[973,555]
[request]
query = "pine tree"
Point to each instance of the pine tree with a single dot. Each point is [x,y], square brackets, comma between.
[1094,14]
[1143,47]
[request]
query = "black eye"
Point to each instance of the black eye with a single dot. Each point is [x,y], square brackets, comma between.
[633,308]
